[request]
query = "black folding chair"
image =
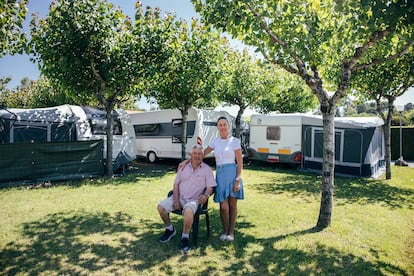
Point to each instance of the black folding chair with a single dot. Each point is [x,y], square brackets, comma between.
[202,210]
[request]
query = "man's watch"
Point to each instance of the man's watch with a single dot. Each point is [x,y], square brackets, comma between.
[238,179]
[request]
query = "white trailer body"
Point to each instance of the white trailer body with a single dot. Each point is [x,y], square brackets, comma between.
[276,138]
[69,123]
[91,125]
[158,133]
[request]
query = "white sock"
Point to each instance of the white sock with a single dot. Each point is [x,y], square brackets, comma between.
[184,235]
[170,227]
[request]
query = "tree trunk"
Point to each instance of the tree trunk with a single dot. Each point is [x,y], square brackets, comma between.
[238,121]
[387,140]
[328,168]
[184,114]
[387,137]
[109,142]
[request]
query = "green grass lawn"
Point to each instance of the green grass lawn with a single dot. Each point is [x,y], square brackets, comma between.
[105,227]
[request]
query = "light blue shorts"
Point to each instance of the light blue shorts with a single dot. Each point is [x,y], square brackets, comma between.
[225,177]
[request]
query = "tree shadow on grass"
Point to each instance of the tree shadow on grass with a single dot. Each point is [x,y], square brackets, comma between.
[266,257]
[347,190]
[321,260]
[161,167]
[274,256]
[86,243]
[364,190]
[82,242]
[136,172]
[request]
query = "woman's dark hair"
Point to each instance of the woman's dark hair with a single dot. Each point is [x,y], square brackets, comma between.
[222,118]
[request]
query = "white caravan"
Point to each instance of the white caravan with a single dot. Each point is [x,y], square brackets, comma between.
[158,133]
[66,123]
[91,125]
[276,138]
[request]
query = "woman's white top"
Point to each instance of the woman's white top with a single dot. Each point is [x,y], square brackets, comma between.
[224,149]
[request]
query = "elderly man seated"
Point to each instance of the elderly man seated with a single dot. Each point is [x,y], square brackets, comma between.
[193,186]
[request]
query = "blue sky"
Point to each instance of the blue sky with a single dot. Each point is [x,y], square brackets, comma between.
[19,66]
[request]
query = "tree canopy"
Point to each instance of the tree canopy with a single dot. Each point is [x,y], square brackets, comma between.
[188,76]
[288,95]
[88,46]
[12,37]
[321,41]
[250,82]
[243,82]
[189,69]
[95,52]
[385,82]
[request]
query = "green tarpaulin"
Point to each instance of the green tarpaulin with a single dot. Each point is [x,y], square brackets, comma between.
[32,162]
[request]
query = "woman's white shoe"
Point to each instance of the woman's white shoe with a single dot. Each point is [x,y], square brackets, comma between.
[223,237]
[230,238]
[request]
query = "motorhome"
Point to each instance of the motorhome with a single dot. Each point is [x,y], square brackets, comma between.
[66,123]
[276,138]
[158,134]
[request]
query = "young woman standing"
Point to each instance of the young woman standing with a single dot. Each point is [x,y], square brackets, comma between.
[229,166]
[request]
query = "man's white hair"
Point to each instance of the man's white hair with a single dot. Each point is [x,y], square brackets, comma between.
[197,146]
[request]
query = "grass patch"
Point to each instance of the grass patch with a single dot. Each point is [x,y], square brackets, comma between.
[111,226]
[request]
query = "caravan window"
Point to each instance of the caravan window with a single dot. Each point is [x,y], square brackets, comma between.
[177,122]
[147,129]
[30,132]
[206,123]
[177,125]
[273,133]
[99,126]
[165,130]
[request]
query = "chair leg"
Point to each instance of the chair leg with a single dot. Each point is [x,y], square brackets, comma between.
[208,225]
[196,223]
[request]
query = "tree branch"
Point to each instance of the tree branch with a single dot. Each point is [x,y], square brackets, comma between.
[359,52]
[280,42]
[405,51]
[100,94]
[377,97]
[288,68]
[262,23]
[348,66]
[402,89]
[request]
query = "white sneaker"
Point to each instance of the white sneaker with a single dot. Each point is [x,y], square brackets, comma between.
[223,237]
[230,238]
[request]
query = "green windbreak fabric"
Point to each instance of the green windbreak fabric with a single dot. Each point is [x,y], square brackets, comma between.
[29,162]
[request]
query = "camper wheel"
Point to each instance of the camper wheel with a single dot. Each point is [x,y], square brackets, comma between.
[151,156]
